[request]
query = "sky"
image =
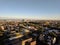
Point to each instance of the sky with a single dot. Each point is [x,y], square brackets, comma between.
[30,9]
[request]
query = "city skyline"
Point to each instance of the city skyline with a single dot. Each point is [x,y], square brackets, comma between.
[30,9]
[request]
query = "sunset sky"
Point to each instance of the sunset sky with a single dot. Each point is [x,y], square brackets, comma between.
[30,9]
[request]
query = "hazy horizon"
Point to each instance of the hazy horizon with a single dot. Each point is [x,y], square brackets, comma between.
[30,9]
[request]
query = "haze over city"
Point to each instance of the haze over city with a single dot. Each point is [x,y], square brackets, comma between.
[29,22]
[30,9]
